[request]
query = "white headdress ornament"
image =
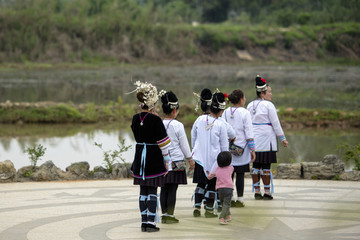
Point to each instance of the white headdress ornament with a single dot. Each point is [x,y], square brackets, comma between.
[151,95]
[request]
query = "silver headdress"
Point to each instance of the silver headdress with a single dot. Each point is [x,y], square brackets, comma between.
[151,95]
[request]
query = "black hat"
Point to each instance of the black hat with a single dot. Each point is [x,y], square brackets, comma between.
[260,83]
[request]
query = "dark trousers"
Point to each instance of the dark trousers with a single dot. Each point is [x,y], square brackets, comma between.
[239,183]
[168,198]
[225,195]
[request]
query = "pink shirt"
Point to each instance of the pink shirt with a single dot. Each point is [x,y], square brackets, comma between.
[223,177]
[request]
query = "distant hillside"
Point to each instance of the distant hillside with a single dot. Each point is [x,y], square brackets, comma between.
[95,31]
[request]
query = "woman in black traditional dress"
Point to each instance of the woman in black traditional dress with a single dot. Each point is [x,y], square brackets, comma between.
[152,159]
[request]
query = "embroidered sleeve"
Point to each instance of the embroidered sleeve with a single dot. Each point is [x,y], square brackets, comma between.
[282,138]
[164,144]
[251,144]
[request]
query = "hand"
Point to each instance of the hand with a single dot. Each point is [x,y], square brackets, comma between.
[253,156]
[285,143]
[192,164]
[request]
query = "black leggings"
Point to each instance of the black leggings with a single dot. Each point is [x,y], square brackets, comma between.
[261,165]
[148,204]
[168,198]
[239,183]
[210,186]
[145,190]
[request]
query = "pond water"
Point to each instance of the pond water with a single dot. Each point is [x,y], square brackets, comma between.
[293,86]
[66,144]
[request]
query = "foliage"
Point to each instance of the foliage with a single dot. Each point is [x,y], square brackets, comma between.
[112,156]
[351,154]
[95,31]
[35,153]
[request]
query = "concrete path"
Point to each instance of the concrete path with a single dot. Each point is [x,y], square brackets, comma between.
[103,210]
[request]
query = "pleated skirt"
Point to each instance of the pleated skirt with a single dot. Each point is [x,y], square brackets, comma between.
[150,182]
[242,169]
[265,157]
[178,177]
[199,175]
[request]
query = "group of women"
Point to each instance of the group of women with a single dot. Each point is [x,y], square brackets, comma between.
[162,148]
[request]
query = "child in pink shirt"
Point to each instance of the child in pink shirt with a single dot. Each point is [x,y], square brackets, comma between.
[224,184]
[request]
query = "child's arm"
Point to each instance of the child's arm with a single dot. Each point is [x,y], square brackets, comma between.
[210,176]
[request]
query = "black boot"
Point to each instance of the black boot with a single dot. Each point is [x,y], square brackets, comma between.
[152,228]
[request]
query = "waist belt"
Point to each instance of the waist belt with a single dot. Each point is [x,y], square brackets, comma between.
[269,124]
[143,158]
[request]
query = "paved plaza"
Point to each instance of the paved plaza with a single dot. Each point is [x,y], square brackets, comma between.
[104,210]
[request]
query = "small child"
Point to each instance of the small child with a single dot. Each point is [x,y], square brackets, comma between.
[224,184]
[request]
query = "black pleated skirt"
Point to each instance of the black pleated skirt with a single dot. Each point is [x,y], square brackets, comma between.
[150,182]
[199,175]
[242,169]
[265,157]
[178,177]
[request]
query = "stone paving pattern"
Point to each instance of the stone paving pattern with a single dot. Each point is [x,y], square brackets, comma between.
[108,210]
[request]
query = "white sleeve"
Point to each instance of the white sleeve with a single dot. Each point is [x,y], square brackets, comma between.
[184,143]
[230,131]
[274,120]
[194,133]
[224,142]
[248,128]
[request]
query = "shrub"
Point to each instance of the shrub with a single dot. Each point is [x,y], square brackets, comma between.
[112,156]
[351,154]
[35,153]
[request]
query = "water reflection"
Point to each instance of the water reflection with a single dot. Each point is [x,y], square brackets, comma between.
[66,144]
[293,86]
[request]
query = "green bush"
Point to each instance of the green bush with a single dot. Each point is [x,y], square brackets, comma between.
[112,156]
[351,153]
[35,153]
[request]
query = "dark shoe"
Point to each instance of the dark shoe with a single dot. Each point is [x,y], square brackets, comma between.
[258,196]
[152,228]
[209,214]
[171,220]
[143,227]
[237,204]
[163,219]
[267,197]
[196,212]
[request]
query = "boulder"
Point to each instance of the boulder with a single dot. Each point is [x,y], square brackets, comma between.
[350,176]
[48,172]
[121,170]
[79,170]
[24,173]
[328,168]
[288,171]
[7,171]
[100,173]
